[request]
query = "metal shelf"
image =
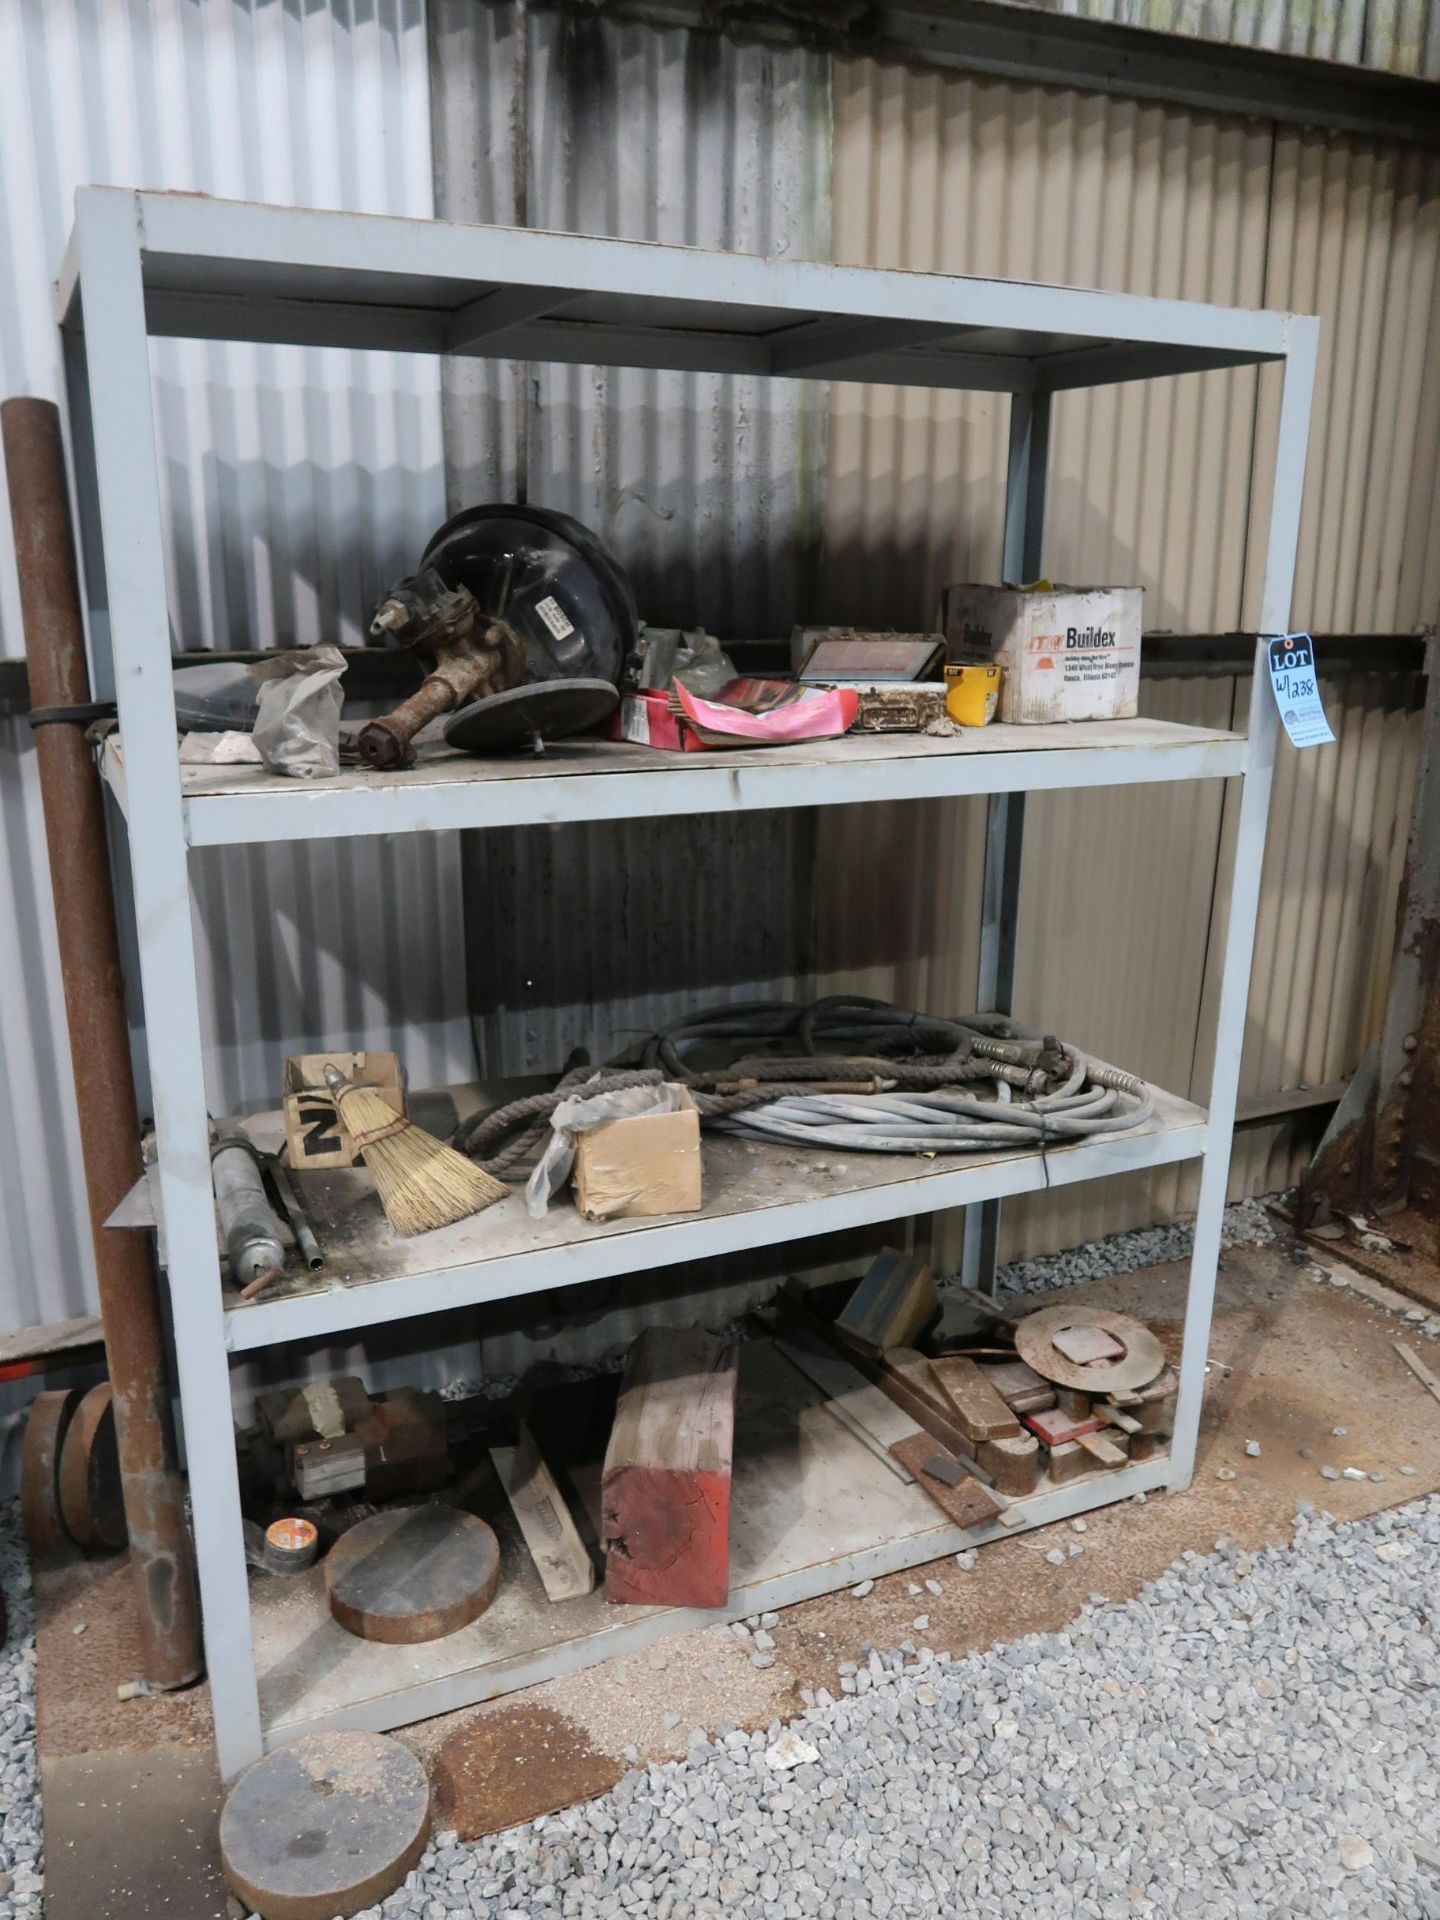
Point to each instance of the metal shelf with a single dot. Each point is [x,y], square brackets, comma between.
[756,1195]
[579,780]
[142,264]
[811,1509]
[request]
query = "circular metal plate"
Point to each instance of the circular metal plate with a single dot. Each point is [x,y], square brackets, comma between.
[325,1827]
[547,709]
[1142,1361]
[91,1497]
[414,1573]
[45,1428]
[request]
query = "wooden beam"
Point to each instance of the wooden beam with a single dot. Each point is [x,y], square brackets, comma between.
[665,1492]
[565,1567]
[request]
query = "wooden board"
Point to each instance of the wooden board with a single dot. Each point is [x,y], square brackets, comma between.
[892,1305]
[975,1403]
[967,1503]
[561,1559]
[92,1499]
[1101,1448]
[412,1574]
[877,1423]
[329,1825]
[665,1489]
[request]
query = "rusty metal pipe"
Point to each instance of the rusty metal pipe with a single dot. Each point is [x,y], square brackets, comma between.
[161,1556]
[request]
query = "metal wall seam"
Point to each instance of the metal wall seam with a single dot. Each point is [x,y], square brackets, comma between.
[296,484]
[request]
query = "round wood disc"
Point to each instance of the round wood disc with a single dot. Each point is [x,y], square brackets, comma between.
[414,1573]
[45,1428]
[1141,1362]
[325,1827]
[91,1497]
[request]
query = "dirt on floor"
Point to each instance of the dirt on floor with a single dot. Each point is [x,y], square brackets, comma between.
[1293,1358]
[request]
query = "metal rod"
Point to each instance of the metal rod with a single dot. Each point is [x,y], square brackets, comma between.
[161,1557]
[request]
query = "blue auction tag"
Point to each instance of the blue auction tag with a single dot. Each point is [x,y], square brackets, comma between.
[1296,682]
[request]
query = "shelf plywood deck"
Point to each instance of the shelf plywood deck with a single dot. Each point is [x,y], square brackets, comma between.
[756,1194]
[812,1510]
[580,780]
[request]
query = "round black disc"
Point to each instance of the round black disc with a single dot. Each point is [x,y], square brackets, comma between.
[554,582]
[547,709]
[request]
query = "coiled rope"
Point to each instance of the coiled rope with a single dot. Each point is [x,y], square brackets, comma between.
[851,1075]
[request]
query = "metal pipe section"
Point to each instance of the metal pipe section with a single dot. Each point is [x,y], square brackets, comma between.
[161,1556]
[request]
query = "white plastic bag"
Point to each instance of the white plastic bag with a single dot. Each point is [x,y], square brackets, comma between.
[297,720]
[578,1115]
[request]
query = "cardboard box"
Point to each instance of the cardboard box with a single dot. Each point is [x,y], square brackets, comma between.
[645,718]
[314,1137]
[1066,653]
[649,1163]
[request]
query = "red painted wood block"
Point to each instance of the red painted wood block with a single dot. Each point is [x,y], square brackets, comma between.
[665,1494]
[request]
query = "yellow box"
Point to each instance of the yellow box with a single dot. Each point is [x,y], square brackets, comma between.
[971,694]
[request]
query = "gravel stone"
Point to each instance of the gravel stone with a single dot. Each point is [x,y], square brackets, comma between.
[1056,1556]
[1225,1473]
[1246,1222]
[1329,1473]
[1268,1756]
[22,1839]
[1252,1449]
[865,1587]
[934,1586]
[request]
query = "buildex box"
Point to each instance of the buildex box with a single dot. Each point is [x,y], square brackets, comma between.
[1065,653]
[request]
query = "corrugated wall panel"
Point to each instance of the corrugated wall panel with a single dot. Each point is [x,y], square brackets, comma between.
[296,485]
[1152,483]
[1149,483]
[703,486]
[1355,237]
[1399,36]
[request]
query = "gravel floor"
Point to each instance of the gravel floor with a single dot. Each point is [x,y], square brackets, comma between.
[1252,1735]
[1246,1221]
[21,1841]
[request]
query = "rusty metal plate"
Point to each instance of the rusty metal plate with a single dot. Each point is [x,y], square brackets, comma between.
[415,1573]
[327,1826]
[965,1500]
[92,1498]
[45,1428]
[1141,1362]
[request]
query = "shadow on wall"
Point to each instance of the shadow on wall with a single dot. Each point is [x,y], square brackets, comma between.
[294,552]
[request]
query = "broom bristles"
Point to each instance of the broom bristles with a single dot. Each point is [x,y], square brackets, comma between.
[422,1183]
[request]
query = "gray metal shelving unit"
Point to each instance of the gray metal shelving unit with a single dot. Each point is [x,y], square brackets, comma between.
[142,265]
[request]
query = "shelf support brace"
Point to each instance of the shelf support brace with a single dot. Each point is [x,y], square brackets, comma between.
[1277,588]
[111,391]
[1005,819]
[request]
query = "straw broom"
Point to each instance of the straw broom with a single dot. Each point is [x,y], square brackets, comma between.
[422,1183]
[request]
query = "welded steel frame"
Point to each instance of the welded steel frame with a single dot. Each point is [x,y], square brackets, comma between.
[141,264]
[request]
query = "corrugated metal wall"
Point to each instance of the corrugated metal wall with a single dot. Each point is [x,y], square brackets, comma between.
[706,487]
[296,484]
[1399,36]
[1166,484]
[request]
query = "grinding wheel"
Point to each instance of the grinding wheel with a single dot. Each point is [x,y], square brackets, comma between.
[92,1499]
[1141,1362]
[45,1428]
[521,716]
[414,1573]
[325,1827]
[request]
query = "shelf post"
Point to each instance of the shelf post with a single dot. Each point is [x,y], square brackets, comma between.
[1276,592]
[1025,479]
[112,417]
